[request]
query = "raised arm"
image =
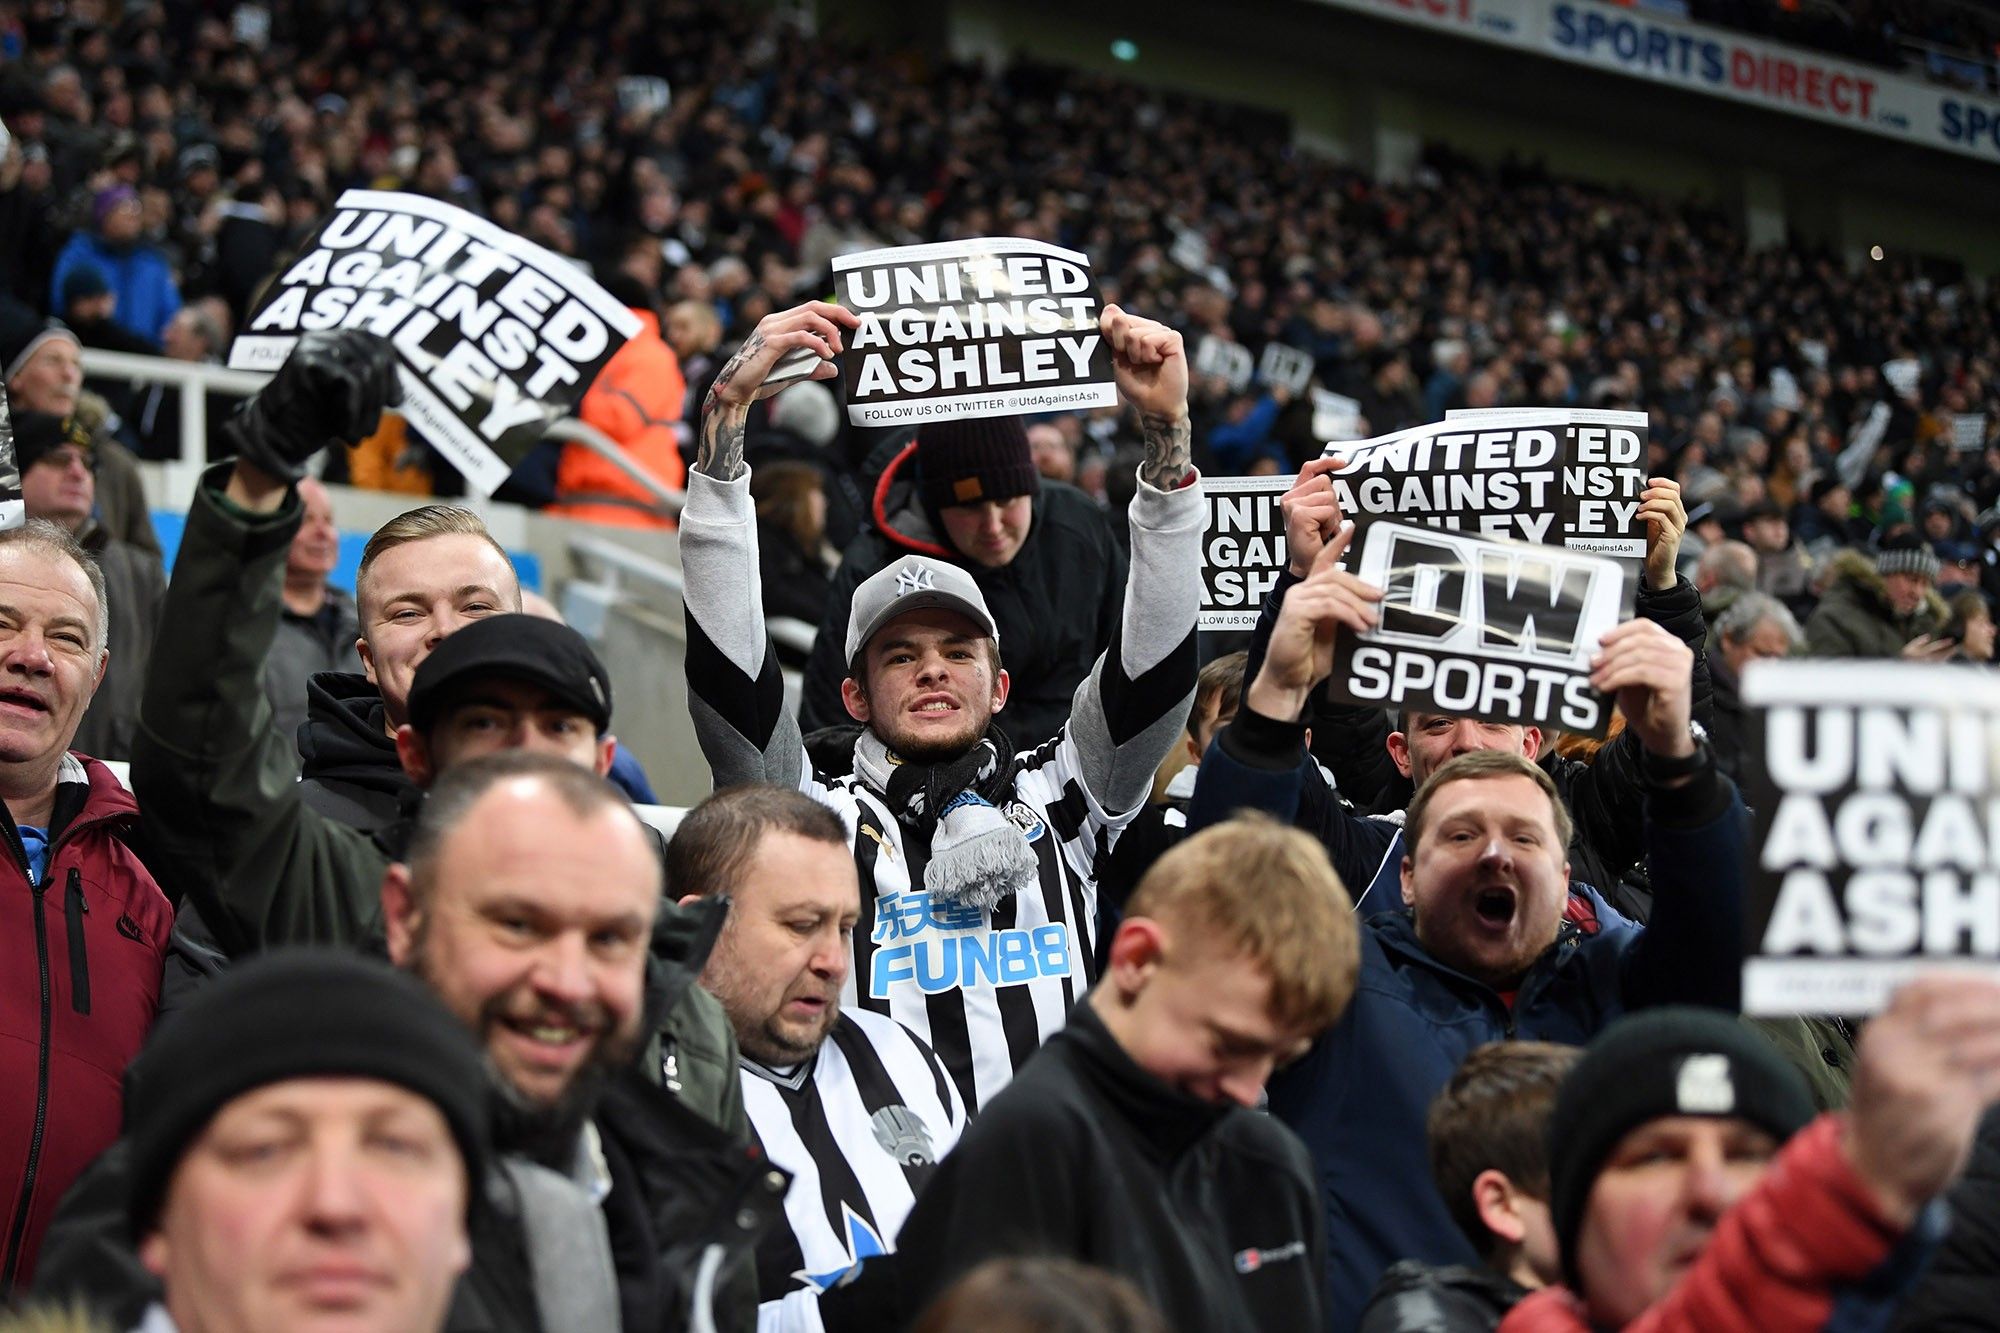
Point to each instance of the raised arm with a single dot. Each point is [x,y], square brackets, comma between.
[1132,708]
[735,692]
[217,785]
[1696,828]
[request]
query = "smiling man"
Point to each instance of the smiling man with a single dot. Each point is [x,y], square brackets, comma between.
[847,1100]
[1484,944]
[59,483]
[1133,1142]
[978,862]
[87,922]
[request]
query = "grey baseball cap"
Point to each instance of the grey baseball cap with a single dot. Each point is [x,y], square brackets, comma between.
[915,583]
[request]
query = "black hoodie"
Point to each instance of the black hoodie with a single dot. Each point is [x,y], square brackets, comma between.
[1211,1211]
[348,770]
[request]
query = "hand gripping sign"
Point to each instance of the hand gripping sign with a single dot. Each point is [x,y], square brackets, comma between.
[1561,477]
[1875,791]
[497,336]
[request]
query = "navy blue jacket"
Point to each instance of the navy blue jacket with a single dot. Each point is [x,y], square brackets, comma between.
[1359,1098]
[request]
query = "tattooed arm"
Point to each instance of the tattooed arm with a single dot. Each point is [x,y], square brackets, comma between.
[1152,371]
[814,326]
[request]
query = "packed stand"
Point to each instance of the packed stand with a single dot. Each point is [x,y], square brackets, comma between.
[1034,975]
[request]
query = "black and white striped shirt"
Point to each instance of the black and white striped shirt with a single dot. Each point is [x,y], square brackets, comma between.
[861,1127]
[983,988]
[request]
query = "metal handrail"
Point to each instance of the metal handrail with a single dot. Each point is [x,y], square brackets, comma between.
[618,562]
[205,379]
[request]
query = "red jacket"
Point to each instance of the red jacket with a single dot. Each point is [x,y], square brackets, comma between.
[77,996]
[1783,1260]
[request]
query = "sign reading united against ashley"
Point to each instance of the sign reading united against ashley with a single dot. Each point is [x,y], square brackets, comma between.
[1876,841]
[1498,630]
[989,327]
[497,336]
[1559,477]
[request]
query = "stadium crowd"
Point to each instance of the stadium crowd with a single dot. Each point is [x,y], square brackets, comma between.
[1035,974]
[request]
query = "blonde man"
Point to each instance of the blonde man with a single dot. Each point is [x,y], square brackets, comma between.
[1130,1141]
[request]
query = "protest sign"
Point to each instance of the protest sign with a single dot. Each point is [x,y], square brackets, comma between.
[13,511]
[1564,477]
[1335,415]
[1968,431]
[1284,364]
[1243,549]
[1560,477]
[1876,838]
[989,327]
[1228,361]
[1498,630]
[497,336]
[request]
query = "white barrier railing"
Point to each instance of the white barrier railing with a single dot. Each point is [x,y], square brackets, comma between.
[615,563]
[196,380]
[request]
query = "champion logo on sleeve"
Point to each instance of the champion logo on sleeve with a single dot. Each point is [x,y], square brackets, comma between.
[1250,1260]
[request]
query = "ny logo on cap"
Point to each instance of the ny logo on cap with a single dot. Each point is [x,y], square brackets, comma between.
[915,578]
[1704,1087]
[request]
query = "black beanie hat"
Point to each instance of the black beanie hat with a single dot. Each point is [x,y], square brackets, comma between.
[296,1013]
[973,461]
[1652,1064]
[39,434]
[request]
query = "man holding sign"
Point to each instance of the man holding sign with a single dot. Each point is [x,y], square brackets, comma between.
[978,866]
[1482,945]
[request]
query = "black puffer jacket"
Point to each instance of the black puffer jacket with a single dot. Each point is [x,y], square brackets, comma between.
[1055,603]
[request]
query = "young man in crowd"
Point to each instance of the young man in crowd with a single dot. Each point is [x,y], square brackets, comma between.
[1489,1136]
[57,457]
[978,865]
[1483,947]
[1133,1141]
[1042,553]
[1694,1192]
[87,924]
[1377,768]
[847,1100]
[307,1142]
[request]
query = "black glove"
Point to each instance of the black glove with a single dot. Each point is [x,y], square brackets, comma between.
[333,386]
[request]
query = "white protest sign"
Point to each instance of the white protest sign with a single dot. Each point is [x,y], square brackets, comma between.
[1903,374]
[1243,549]
[1228,361]
[13,510]
[497,336]
[1498,630]
[1335,415]
[1562,476]
[1876,839]
[990,327]
[1968,431]
[1284,364]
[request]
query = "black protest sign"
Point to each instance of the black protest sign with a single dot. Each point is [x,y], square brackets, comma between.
[1502,631]
[1560,477]
[1876,839]
[13,510]
[989,327]
[1243,550]
[497,336]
